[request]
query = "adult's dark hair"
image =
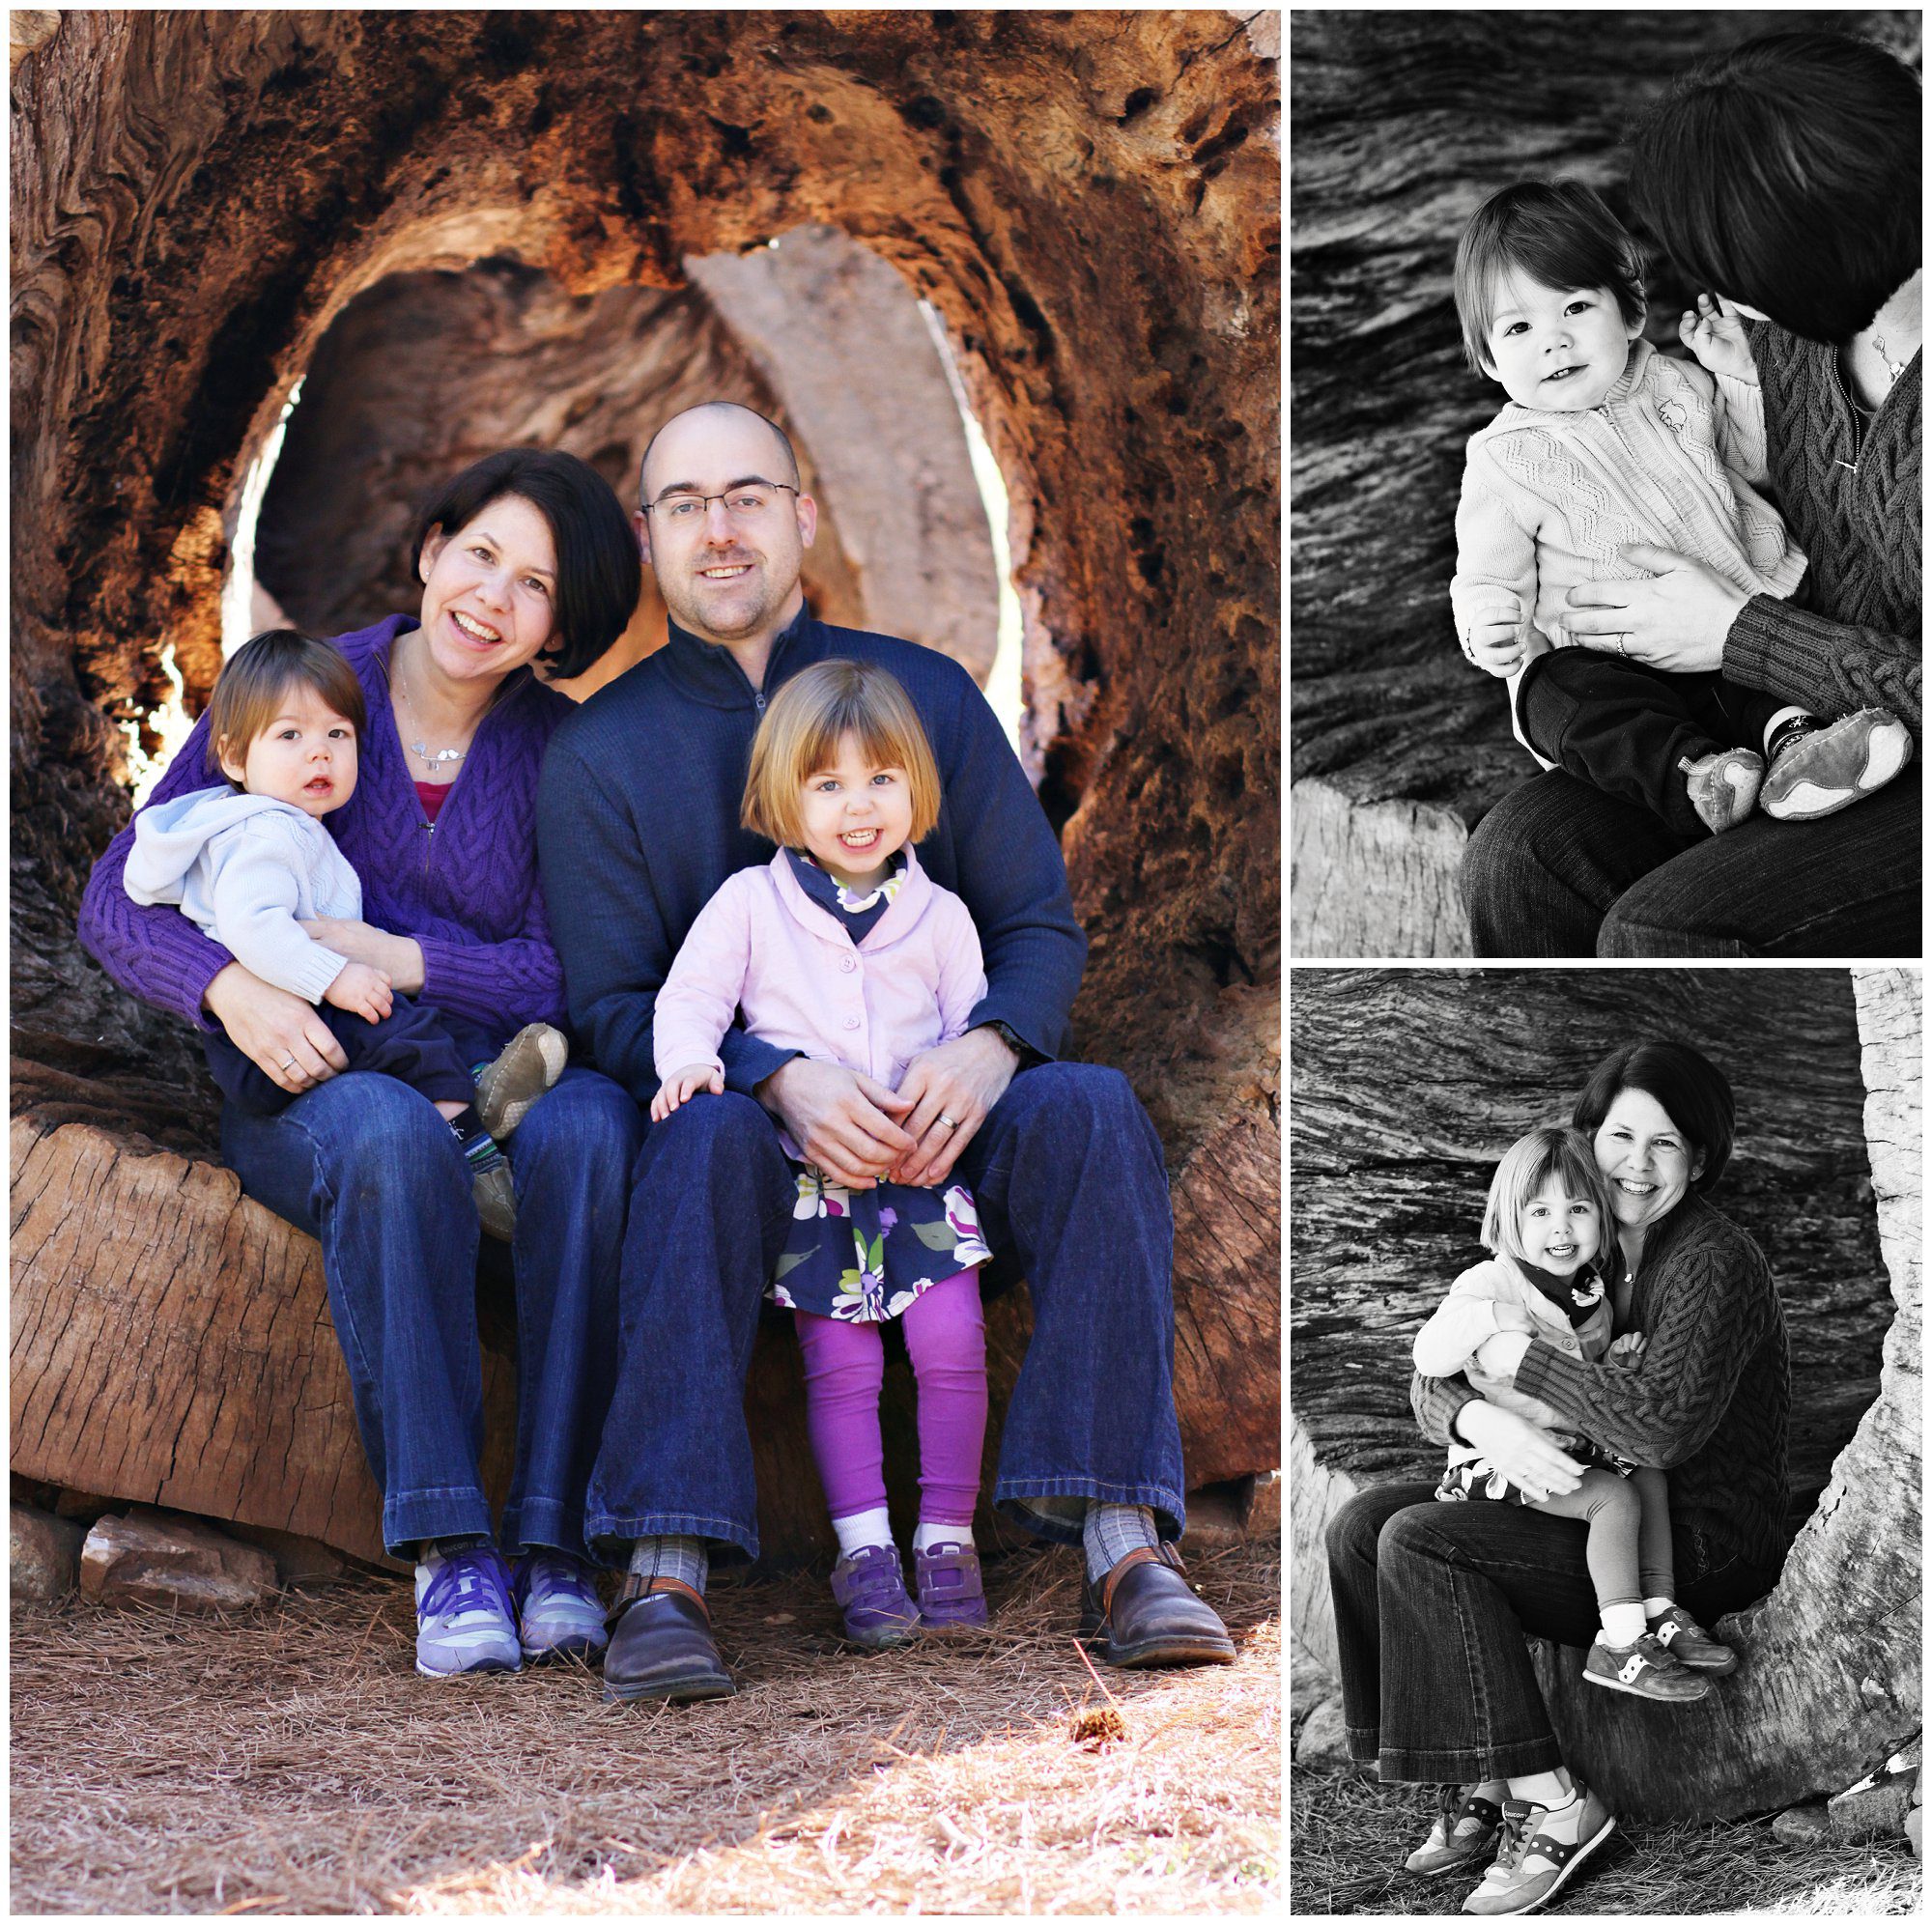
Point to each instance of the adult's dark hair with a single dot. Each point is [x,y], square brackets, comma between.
[1693,1089]
[1558,233]
[1784,174]
[598,572]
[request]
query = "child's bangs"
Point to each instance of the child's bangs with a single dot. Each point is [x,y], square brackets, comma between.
[1530,1164]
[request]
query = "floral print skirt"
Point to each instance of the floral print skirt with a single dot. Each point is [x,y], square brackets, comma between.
[864,1255]
[1478,1477]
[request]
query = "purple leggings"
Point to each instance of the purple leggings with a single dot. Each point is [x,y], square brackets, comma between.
[845,1368]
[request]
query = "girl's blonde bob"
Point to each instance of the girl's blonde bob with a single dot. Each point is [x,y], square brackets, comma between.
[800,735]
[1526,1166]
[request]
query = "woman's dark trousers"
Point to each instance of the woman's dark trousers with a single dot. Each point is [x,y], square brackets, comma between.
[1433,1602]
[1558,868]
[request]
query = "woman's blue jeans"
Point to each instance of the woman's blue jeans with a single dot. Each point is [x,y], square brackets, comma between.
[1558,868]
[1068,1177]
[367,1165]
[1432,1605]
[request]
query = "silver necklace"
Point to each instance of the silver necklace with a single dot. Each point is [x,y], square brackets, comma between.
[1897,368]
[421,750]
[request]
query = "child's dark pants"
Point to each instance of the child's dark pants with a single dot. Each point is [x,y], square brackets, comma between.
[415,1044]
[1624,727]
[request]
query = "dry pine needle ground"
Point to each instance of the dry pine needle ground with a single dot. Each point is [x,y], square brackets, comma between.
[291,1761]
[1348,1837]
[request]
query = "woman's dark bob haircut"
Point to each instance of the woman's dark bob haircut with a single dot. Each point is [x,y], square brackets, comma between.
[1562,236]
[1693,1089]
[1784,174]
[598,573]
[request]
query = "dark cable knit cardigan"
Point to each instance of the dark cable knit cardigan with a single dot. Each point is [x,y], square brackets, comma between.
[1850,637]
[1709,1401]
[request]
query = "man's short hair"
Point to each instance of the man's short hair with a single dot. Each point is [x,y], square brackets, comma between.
[1785,174]
[1561,235]
[791,476]
[599,575]
[800,735]
[255,682]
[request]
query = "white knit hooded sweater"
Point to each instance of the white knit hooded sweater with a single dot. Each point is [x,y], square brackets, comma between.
[1669,458]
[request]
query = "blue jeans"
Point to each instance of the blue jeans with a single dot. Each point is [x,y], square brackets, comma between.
[1432,1603]
[1068,1177]
[1557,868]
[367,1165]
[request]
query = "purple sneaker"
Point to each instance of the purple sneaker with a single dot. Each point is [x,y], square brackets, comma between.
[950,1590]
[869,1588]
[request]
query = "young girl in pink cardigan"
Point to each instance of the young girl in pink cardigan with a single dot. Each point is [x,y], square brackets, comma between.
[842,948]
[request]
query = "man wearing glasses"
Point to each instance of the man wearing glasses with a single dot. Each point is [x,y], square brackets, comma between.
[638,827]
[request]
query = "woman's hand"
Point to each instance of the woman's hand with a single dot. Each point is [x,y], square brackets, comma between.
[682,1084]
[399,958]
[1525,1453]
[1675,619]
[1716,334]
[280,1033]
[952,1087]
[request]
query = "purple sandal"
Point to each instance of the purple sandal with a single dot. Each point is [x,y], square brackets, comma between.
[950,1590]
[869,1588]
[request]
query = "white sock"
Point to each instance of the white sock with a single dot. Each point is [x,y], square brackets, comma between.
[1655,1607]
[1776,723]
[1554,1791]
[863,1528]
[1623,1624]
[928,1535]
[1495,1790]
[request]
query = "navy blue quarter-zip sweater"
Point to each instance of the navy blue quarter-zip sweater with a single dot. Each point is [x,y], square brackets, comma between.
[638,827]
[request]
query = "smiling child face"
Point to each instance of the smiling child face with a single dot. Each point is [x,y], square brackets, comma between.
[1560,1233]
[1560,350]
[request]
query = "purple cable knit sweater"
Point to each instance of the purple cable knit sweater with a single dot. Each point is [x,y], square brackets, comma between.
[466,890]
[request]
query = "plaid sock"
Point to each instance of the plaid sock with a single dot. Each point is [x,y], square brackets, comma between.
[478,1145]
[684,1558]
[1111,1531]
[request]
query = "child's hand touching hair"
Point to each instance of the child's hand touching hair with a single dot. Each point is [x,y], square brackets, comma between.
[682,1084]
[1716,334]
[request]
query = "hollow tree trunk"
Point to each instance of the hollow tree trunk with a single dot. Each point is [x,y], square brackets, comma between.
[198,196]
[1404,122]
[1407,1085]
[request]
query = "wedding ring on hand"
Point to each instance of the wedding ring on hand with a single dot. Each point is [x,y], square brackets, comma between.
[948,1123]
[1623,646]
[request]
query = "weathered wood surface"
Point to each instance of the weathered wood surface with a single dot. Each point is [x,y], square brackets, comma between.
[1404,122]
[172,1345]
[1407,1087]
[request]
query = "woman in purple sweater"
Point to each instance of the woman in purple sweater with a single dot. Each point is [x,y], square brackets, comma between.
[524,556]
[1783,175]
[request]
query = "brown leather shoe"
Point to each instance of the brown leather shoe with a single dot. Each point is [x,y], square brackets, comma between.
[661,1645]
[1144,1613]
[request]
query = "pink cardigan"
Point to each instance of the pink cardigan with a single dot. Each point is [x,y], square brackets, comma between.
[762,945]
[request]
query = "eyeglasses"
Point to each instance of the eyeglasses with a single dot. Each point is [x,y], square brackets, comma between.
[744,504]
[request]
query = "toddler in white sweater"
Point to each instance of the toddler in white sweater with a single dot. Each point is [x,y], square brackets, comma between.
[1549,1223]
[1606,443]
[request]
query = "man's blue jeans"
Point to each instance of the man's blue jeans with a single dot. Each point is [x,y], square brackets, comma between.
[1557,868]
[1433,1602]
[1068,1175]
[368,1165]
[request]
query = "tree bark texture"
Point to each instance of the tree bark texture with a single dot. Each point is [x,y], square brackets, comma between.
[1404,123]
[1406,1087]
[1089,201]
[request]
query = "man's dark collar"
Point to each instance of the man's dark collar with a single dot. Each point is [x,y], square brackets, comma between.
[709,670]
